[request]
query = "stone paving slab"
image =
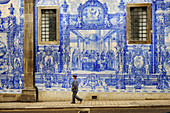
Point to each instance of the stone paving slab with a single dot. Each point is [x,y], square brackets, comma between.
[86,104]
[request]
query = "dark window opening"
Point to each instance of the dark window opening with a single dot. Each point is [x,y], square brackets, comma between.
[138,23]
[94,97]
[48,25]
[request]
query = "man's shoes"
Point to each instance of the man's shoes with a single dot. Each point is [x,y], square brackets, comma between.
[81,101]
[72,102]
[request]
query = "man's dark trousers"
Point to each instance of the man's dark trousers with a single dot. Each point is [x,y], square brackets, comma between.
[75,96]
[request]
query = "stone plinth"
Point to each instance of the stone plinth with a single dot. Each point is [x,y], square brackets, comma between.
[28,95]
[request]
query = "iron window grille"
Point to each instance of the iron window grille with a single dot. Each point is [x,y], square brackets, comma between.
[138,23]
[48,22]
[48,25]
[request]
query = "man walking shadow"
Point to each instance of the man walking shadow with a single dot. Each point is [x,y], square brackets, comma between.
[75,90]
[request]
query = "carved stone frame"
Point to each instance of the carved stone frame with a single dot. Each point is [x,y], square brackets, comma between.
[148,40]
[57,25]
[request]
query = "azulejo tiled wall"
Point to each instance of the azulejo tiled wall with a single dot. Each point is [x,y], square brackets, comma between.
[93,46]
[11,46]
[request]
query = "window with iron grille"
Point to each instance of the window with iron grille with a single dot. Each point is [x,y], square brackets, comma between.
[48,25]
[138,23]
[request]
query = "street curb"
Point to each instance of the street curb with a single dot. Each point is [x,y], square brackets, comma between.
[82,107]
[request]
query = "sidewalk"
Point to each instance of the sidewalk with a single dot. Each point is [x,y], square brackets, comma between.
[86,104]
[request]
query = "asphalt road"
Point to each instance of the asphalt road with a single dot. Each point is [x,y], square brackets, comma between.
[92,110]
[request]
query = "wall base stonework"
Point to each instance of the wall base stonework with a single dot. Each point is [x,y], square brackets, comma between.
[10,97]
[67,96]
[28,95]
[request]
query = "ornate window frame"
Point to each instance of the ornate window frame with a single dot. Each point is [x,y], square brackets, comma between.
[40,42]
[128,28]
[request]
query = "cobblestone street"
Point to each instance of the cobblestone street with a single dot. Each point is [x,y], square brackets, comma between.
[87,104]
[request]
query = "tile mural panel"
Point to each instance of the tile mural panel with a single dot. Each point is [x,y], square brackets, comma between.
[11,46]
[92,46]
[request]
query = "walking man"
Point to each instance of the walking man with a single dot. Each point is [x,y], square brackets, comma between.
[75,90]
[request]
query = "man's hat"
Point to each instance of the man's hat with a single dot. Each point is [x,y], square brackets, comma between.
[74,76]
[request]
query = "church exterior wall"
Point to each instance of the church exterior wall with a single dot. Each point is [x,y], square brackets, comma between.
[99,55]
[94,48]
[11,49]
